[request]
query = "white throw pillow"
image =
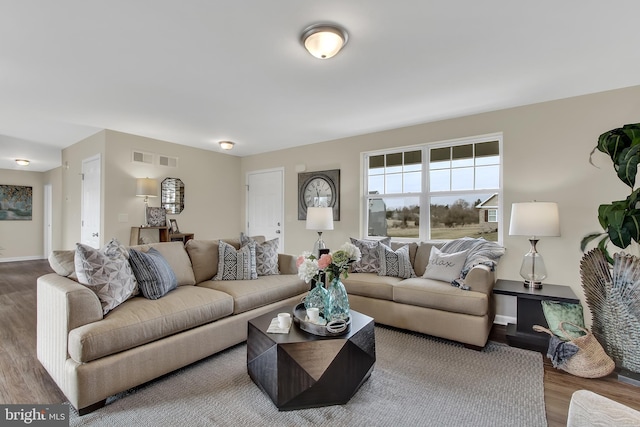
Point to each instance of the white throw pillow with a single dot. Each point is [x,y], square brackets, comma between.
[443,266]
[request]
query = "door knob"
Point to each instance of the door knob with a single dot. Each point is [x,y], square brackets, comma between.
[277,231]
[94,234]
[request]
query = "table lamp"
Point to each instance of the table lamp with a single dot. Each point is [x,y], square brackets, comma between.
[534,219]
[146,187]
[319,219]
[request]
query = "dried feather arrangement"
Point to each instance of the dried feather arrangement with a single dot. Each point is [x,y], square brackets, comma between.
[613,295]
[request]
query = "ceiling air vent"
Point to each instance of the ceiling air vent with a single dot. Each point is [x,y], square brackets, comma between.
[142,157]
[168,161]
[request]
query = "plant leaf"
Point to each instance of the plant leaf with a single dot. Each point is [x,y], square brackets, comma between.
[590,237]
[613,143]
[633,132]
[628,165]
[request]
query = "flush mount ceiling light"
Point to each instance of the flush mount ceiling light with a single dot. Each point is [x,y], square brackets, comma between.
[226,145]
[324,40]
[22,162]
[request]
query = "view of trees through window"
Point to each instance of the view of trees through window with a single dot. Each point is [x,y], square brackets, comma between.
[462,197]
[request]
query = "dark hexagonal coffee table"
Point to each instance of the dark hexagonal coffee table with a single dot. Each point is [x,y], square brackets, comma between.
[301,370]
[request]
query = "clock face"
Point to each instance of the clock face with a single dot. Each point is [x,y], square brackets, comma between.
[318,192]
[321,189]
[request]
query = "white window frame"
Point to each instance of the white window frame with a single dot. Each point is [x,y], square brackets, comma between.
[424,196]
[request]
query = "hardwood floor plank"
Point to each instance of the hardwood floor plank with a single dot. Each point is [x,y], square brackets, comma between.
[24,380]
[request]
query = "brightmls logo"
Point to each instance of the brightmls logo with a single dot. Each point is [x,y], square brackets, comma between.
[34,415]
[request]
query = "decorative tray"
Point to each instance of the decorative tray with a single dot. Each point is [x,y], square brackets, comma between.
[330,329]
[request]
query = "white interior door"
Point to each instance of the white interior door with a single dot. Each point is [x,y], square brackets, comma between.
[48,218]
[91,196]
[265,205]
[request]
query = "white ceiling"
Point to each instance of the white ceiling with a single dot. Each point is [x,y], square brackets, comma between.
[195,72]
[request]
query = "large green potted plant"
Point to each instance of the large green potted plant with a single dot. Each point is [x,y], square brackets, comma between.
[620,219]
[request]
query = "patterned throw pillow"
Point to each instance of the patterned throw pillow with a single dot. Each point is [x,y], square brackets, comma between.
[445,267]
[370,261]
[266,255]
[395,263]
[153,272]
[237,265]
[106,272]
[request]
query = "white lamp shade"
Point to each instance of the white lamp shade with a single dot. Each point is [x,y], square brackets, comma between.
[319,218]
[146,187]
[535,219]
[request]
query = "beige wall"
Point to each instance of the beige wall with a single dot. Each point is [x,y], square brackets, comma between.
[23,239]
[546,151]
[212,186]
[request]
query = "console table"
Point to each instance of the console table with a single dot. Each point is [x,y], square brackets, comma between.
[530,311]
[134,239]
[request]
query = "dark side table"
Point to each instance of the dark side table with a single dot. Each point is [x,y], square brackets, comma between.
[530,312]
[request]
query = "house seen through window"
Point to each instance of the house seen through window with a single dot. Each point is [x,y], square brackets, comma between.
[435,191]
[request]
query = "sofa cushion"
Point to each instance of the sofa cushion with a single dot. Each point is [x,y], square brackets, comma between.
[177,257]
[441,296]
[204,258]
[236,264]
[250,294]
[62,262]
[445,267]
[423,252]
[153,272]
[371,285]
[106,272]
[370,260]
[413,248]
[140,321]
[395,263]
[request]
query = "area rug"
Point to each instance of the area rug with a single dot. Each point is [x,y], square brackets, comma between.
[417,380]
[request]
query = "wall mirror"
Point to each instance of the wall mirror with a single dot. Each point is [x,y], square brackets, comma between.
[173,195]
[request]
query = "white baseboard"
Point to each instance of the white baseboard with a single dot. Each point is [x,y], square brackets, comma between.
[503,320]
[23,258]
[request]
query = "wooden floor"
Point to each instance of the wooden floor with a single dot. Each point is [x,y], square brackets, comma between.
[24,380]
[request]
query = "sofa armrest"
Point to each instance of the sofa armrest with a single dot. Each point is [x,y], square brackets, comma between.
[481,279]
[62,305]
[287,264]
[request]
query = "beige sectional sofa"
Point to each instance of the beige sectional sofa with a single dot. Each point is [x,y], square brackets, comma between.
[428,306]
[92,356]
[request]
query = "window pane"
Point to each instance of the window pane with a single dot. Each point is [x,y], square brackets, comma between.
[394,217]
[439,180]
[413,157]
[457,216]
[488,160]
[393,163]
[462,179]
[376,162]
[487,177]
[412,182]
[393,183]
[440,165]
[440,154]
[376,184]
[488,149]
[462,155]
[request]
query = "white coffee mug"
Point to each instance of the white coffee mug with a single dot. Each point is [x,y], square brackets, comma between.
[284,320]
[313,313]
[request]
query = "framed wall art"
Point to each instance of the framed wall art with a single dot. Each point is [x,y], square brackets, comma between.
[15,203]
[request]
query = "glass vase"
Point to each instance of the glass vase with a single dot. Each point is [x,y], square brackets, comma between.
[338,301]
[317,297]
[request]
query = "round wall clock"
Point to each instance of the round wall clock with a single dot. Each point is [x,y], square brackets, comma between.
[320,188]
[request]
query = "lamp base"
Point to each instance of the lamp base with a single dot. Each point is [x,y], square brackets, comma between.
[532,285]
